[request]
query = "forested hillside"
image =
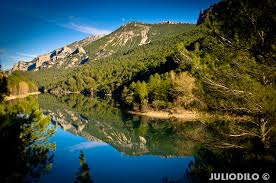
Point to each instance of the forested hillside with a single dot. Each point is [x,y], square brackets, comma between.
[109,73]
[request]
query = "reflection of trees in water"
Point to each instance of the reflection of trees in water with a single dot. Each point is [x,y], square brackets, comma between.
[129,134]
[24,134]
[235,147]
[83,174]
[224,143]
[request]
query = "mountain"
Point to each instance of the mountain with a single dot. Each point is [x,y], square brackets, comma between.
[117,58]
[68,56]
[126,37]
[131,35]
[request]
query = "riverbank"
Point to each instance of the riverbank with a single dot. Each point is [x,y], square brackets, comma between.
[188,115]
[12,97]
[179,114]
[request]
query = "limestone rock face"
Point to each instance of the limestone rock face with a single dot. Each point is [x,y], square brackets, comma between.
[169,22]
[70,55]
[42,59]
[66,49]
[21,66]
[81,50]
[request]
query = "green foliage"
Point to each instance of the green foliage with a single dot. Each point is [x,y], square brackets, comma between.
[18,84]
[247,24]
[4,91]
[169,89]
[24,134]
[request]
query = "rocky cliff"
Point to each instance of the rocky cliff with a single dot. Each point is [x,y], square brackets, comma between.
[68,56]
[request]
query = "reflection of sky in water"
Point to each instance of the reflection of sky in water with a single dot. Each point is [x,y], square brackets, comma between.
[109,165]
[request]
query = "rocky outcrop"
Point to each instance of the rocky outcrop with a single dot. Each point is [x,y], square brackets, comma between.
[79,50]
[21,66]
[68,56]
[42,59]
[88,40]
[126,36]
[169,22]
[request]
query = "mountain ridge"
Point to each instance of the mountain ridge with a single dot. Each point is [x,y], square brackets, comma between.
[80,52]
[55,57]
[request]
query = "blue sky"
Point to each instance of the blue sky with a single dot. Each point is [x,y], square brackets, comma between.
[33,27]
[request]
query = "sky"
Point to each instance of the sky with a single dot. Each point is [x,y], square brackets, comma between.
[29,28]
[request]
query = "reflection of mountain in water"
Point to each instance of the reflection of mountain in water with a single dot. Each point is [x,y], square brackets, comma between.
[98,120]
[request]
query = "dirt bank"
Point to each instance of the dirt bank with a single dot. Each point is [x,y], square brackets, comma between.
[20,96]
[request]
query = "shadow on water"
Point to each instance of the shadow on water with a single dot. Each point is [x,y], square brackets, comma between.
[24,134]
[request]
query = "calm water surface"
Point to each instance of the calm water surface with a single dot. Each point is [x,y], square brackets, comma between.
[87,139]
[117,147]
[107,164]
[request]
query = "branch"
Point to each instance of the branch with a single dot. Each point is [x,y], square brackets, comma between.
[224,39]
[239,135]
[210,82]
[228,145]
[267,132]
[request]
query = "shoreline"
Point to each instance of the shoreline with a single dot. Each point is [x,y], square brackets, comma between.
[188,115]
[12,97]
[183,115]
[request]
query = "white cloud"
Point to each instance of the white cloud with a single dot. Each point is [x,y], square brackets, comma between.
[76,26]
[87,29]
[26,55]
[14,57]
[86,145]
